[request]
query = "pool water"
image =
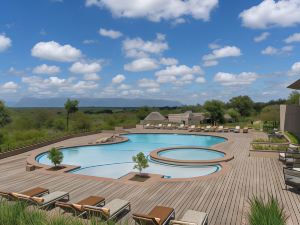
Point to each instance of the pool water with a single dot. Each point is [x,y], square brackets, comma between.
[115,160]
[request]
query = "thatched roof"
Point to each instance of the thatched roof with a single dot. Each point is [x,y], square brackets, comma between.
[155,116]
[295,85]
[227,117]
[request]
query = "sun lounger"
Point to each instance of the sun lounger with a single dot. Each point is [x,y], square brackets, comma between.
[245,130]
[207,128]
[47,200]
[169,126]
[38,191]
[159,126]
[192,217]
[237,129]
[213,129]
[77,209]
[226,129]
[291,178]
[110,211]
[220,129]
[148,126]
[192,128]
[159,215]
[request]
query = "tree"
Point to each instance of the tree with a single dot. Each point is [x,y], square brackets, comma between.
[82,122]
[215,109]
[270,113]
[71,106]
[243,104]
[293,98]
[234,114]
[55,156]
[141,162]
[4,115]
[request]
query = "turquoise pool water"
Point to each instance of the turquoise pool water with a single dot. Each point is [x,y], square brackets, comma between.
[115,160]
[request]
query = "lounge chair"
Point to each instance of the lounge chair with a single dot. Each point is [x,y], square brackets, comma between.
[77,208]
[159,215]
[110,211]
[237,129]
[192,217]
[213,129]
[207,128]
[245,130]
[159,126]
[148,126]
[47,200]
[192,128]
[169,126]
[37,191]
[226,130]
[220,129]
[291,178]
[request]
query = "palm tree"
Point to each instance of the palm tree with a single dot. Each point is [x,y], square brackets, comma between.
[71,106]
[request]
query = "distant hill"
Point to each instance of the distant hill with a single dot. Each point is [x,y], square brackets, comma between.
[96,102]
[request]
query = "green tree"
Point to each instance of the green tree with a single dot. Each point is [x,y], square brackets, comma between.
[293,98]
[233,113]
[82,122]
[141,162]
[243,104]
[55,156]
[71,106]
[215,108]
[4,115]
[143,112]
[270,113]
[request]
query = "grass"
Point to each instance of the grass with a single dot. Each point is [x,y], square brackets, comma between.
[271,140]
[269,147]
[266,213]
[293,138]
[19,214]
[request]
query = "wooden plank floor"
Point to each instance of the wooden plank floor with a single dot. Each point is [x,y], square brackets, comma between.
[225,197]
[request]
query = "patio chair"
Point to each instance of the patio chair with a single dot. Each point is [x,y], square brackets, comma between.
[192,217]
[148,126]
[37,191]
[220,129]
[192,128]
[169,126]
[111,210]
[226,130]
[159,126]
[213,129]
[159,215]
[77,208]
[245,130]
[237,129]
[180,127]
[47,200]
[291,178]
[207,128]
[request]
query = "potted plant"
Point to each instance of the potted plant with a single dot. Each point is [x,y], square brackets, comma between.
[141,162]
[56,157]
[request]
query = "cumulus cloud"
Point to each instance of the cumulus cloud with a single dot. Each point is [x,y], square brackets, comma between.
[270,13]
[219,53]
[118,79]
[263,36]
[168,61]
[293,38]
[9,87]
[178,75]
[5,42]
[113,34]
[295,69]
[45,69]
[148,83]
[54,51]
[140,65]
[229,79]
[89,41]
[85,68]
[270,50]
[157,10]
[91,77]
[138,48]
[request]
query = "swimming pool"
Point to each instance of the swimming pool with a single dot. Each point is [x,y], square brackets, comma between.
[115,160]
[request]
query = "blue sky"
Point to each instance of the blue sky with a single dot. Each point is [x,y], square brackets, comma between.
[189,51]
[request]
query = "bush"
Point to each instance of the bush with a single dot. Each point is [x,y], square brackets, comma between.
[141,162]
[55,156]
[269,213]
[293,138]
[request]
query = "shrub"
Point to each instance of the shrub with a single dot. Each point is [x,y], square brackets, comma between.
[266,213]
[293,138]
[55,156]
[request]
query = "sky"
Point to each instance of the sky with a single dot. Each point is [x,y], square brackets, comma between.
[190,51]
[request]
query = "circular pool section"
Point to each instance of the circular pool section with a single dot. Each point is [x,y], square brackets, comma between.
[191,154]
[115,160]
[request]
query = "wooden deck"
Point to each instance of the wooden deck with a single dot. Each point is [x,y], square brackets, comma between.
[225,197]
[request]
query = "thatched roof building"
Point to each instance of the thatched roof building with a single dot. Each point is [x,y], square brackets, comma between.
[155,116]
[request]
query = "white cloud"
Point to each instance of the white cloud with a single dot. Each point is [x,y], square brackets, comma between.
[148,83]
[229,79]
[113,34]
[89,41]
[54,51]
[134,93]
[138,48]
[200,80]
[214,46]
[5,42]
[224,52]
[91,77]
[85,68]
[9,87]
[293,38]
[153,90]
[140,65]
[156,10]
[270,50]
[295,69]
[45,69]
[263,36]
[124,87]
[118,79]
[270,13]
[178,75]
[168,61]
